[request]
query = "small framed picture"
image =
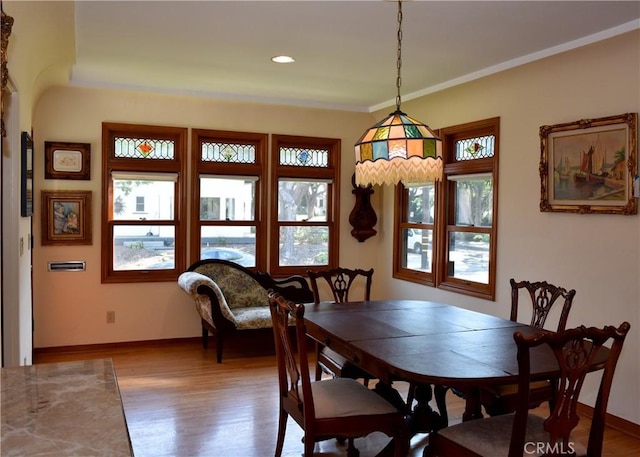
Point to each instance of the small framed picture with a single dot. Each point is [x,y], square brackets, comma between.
[588,166]
[67,160]
[66,217]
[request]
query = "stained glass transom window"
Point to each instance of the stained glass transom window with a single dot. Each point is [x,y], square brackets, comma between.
[303,157]
[475,148]
[228,153]
[144,148]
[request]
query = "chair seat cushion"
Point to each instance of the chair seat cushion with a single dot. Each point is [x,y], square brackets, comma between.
[343,397]
[491,437]
[252,317]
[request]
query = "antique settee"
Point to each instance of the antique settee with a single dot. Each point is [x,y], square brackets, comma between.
[230,297]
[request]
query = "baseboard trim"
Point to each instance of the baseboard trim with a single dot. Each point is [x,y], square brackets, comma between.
[118,345]
[615,422]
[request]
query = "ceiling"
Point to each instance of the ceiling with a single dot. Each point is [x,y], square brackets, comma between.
[345,51]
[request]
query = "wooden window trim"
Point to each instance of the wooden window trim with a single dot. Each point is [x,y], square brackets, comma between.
[443,225]
[333,198]
[260,141]
[110,164]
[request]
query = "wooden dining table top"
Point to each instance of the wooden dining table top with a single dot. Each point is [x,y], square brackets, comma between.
[425,342]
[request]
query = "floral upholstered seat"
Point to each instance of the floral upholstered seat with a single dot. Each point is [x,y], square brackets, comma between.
[229,297]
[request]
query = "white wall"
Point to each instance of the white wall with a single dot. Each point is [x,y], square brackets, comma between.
[598,255]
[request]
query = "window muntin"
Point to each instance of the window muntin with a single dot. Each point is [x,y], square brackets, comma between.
[305,187]
[459,225]
[142,229]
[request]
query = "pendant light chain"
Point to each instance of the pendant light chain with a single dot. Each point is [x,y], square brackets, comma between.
[399,63]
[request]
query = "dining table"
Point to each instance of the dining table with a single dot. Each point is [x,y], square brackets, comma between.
[431,345]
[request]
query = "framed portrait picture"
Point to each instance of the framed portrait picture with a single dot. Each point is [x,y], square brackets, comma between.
[66,217]
[67,160]
[26,181]
[588,166]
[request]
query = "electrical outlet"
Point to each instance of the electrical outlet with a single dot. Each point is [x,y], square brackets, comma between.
[111,317]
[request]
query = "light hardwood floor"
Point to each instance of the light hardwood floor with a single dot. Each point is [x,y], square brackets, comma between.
[179,403]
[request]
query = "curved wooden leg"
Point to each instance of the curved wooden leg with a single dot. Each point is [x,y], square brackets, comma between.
[205,336]
[425,419]
[309,444]
[282,427]
[352,450]
[219,338]
[440,395]
[472,406]
[411,395]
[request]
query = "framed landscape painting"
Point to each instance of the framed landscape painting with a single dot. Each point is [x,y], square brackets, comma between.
[588,166]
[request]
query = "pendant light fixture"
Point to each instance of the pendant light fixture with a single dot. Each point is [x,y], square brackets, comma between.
[398,148]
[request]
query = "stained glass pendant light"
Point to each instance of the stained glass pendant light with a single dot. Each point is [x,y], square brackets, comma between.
[398,148]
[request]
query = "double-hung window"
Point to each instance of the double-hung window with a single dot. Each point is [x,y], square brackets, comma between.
[143,213]
[228,208]
[445,232]
[305,209]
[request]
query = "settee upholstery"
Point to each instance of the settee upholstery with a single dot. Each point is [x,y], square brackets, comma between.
[229,297]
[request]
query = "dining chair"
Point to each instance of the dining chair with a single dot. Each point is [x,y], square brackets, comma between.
[329,408]
[501,399]
[577,351]
[340,282]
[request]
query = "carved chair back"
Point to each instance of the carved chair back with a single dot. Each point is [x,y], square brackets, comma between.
[576,351]
[543,296]
[340,281]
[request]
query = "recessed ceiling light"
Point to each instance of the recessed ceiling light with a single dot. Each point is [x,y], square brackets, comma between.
[283,59]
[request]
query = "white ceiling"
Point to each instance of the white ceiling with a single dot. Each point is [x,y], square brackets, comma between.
[346,50]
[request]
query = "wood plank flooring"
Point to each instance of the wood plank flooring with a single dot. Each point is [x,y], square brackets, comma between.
[180,403]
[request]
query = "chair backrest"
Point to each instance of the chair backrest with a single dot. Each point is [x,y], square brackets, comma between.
[293,377]
[577,351]
[543,296]
[340,281]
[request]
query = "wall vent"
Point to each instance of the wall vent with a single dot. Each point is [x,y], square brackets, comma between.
[71,265]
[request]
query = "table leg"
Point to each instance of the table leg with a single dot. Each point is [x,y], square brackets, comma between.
[424,418]
[472,406]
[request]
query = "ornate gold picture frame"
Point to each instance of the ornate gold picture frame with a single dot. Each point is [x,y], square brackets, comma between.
[588,166]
